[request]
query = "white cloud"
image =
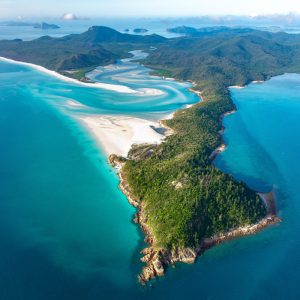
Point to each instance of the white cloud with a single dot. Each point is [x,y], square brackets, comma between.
[145,7]
[69,17]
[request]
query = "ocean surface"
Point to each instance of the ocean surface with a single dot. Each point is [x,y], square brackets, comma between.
[79,26]
[153,25]
[66,231]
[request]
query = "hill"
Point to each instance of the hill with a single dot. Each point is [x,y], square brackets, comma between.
[230,57]
[97,46]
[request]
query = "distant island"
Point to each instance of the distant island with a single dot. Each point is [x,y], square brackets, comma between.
[140,30]
[183,30]
[203,31]
[42,25]
[185,204]
[18,23]
[45,26]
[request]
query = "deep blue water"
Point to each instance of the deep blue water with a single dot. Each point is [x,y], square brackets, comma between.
[66,231]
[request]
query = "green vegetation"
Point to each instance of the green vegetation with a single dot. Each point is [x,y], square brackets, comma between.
[79,74]
[184,197]
[97,46]
[162,73]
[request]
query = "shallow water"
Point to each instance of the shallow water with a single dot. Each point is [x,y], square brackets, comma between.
[66,231]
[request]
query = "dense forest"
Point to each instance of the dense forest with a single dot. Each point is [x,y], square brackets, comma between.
[183,196]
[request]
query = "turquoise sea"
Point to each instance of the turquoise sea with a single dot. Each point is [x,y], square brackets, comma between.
[66,231]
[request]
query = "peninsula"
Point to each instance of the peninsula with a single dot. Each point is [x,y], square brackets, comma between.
[185,205]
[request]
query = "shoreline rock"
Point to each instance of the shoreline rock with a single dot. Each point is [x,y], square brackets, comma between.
[158,259]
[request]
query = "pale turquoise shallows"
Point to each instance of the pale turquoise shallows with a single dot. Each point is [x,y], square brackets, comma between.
[66,230]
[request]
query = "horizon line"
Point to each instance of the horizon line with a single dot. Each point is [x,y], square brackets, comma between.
[83,17]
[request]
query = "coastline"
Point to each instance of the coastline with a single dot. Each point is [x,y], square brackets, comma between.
[157,260]
[97,85]
[117,134]
[223,146]
[114,133]
[243,86]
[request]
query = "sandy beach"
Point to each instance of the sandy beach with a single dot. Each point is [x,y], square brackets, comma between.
[106,86]
[116,134]
[236,87]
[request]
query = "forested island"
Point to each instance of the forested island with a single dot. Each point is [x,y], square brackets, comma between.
[185,205]
[45,26]
[140,30]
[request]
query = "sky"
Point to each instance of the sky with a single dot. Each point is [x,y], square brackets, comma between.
[143,8]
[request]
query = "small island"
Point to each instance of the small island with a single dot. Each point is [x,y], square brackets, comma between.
[183,30]
[45,26]
[140,30]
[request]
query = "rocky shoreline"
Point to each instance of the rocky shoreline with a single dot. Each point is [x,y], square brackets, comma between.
[158,259]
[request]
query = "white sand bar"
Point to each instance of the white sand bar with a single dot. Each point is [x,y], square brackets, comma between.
[106,86]
[117,134]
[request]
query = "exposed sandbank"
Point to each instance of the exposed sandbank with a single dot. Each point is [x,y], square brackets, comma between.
[75,103]
[106,86]
[236,87]
[116,134]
